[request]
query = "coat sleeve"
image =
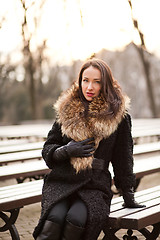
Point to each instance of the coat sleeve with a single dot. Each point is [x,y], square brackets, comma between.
[54,140]
[122,160]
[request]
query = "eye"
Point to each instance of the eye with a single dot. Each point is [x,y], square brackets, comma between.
[85,80]
[99,82]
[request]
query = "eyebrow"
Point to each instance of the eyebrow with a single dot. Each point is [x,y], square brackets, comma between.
[93,79]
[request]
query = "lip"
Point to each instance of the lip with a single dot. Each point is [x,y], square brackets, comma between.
[90,94]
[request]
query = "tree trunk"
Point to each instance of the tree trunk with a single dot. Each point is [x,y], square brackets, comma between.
[146,65]
[32,91]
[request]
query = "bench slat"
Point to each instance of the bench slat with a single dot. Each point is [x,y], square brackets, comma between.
[26,169]
[145,133]
[20,148]
[148,190]
[121,211]
[32,198]
[16,187]
[25,131]
[141,199]
[146,148]
[137,194]
[20,156]
[7,195]
[19,195]
[148,165]
[5,143]
[142,167]
[142,219]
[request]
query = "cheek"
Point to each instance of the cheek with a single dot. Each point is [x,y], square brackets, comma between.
[83,87]
[98,89]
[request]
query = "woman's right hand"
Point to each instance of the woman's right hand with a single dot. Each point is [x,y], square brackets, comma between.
[83,148]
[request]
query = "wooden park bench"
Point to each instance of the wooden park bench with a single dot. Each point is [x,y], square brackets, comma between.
[14,197]
[30,151]
[138,218]
[142,128]
[35,169]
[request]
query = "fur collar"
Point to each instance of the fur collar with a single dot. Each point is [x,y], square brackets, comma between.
[70,114]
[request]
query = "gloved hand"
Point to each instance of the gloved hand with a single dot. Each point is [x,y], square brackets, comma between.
[129,200]
[83,148]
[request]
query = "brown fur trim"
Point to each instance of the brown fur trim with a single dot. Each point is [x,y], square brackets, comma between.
[70,114]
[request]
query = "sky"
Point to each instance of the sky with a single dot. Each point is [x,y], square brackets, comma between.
[75,29]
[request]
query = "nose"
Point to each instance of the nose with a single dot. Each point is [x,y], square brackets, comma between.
[90,86]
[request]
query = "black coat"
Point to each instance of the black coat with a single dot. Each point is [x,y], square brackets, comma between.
[93,186]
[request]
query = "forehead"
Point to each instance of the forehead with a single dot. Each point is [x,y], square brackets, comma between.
[92,72]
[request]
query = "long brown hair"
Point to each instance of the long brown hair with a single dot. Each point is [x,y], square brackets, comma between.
[110,89]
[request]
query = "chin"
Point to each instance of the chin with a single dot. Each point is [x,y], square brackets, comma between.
[89,99]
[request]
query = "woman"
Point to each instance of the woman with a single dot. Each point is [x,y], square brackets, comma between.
[92,129]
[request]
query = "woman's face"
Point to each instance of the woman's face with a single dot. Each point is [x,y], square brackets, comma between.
[91,83]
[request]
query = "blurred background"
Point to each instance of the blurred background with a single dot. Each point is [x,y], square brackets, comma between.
[43,44]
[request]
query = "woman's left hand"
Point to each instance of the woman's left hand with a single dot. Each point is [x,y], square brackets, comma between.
[129,200]
[133,205]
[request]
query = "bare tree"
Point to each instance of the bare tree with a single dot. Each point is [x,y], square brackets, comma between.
[146,65]
[2,20]
[32,60]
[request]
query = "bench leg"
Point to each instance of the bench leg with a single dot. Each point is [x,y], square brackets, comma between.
[129,235]
[153,234]
[9,223]
[37,177]
[110,234]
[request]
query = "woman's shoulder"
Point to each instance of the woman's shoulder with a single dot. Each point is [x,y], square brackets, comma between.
[56,127]
[127,117]
[56,124]
[126,121]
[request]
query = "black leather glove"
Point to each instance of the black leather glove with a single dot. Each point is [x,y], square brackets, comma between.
[129,200]
[83,148]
